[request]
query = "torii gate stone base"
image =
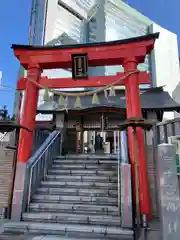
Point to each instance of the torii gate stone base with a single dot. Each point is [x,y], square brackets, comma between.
[128,53]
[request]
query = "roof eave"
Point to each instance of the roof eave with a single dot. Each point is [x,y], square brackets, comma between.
[147,37]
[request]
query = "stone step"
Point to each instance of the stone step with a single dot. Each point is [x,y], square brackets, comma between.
[17,236]
[48,237]
[14,237]
[86,161]
[72,218]
[83,172]
[71,184]
[84,166]
[69,230]
[89,156]
[53,177]
[75,199]
[78,192]
[74,208]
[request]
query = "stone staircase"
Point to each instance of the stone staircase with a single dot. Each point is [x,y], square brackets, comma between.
[78,199]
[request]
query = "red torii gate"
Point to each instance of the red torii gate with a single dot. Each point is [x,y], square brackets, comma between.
[128,52]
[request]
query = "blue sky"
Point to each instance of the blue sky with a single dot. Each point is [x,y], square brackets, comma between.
[163,12]
[14,21]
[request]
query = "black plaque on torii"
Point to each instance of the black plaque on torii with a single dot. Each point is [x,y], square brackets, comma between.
[79,66]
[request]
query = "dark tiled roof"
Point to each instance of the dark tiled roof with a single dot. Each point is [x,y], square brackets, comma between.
[9,126]
[151,99]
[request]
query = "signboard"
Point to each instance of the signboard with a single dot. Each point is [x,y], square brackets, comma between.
[78,126]
[79,66]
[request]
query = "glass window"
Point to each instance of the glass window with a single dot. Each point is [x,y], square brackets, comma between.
[69,26]
[67,23]
[37,22]
[84,4]
[119,25]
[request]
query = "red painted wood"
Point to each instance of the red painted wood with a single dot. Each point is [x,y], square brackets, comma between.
[92,81]
[100,55]
[134,110]
[29,114]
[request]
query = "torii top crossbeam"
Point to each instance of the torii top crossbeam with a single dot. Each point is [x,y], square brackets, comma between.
[99,54]
[60,56]
[128,53]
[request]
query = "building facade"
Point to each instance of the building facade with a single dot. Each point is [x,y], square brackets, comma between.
[56,22]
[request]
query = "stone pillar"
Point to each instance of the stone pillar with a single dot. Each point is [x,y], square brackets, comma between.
[115,146]
[168,190]
[118,144]
[126,195]
[61,126]
[125,183]
[124,148]
[151,154]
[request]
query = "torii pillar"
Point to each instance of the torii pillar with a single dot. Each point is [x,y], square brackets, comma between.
[29,112]
[133,111]
[128,52]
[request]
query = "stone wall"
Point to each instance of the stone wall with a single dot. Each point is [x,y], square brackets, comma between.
[6,176]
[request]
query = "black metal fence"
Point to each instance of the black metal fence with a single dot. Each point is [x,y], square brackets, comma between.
[167,129]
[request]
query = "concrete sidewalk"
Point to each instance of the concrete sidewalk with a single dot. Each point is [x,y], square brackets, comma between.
[2,222]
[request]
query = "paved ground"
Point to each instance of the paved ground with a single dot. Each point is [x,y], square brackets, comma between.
[154,234]
[2,222]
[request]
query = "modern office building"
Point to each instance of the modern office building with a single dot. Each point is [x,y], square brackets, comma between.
[78,21]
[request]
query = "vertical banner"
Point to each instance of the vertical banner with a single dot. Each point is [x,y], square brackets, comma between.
[78,142]
[78,126]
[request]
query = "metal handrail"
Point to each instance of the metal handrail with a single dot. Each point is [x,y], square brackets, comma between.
[44,151]
[39,137]
[42,148]
[38,164]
